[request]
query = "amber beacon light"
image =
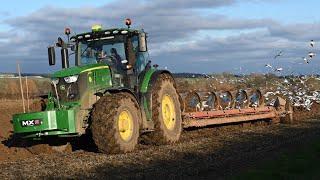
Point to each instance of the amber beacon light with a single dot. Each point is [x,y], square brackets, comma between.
[128,22]
[67,31]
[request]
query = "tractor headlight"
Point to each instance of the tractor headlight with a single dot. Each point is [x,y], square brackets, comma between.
[54,81]
[71,79]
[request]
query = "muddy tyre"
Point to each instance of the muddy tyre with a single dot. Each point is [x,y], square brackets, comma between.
[166,113]
[115,123]
[39,105]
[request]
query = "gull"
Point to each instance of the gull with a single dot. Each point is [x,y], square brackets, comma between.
[307,104]
[278,69]
[311,54]
[268,66]
[280,53]
[305,59]
[312,43]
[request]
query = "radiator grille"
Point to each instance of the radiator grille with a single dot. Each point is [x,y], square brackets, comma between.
[70,92]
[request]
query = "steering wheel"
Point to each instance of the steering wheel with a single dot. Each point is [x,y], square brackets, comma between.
[87,54]
[109,60]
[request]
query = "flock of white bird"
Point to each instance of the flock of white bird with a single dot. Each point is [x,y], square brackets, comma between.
[305,59]
[299,97]
[296,89]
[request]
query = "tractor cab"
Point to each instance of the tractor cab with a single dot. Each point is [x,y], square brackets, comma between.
[123,50]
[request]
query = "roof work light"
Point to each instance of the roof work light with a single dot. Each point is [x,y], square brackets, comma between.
[96,28]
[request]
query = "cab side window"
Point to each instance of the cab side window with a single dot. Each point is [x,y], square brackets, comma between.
[142,58]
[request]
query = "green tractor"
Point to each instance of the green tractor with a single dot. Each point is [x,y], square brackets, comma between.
[111,91]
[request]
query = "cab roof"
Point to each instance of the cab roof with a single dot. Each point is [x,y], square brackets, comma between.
[99,33]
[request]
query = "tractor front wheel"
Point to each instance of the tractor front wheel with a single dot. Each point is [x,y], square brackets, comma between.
[115,123]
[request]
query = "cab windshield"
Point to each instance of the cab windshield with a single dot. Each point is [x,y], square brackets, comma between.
[92,51]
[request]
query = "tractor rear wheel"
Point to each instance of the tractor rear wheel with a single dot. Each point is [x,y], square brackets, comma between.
[115,123]
[166,113]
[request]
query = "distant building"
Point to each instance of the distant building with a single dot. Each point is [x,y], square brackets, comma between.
[35,77]
[7,76]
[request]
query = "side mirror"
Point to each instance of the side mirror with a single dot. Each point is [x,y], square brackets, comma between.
[64,58]
[52,56]
[142,42]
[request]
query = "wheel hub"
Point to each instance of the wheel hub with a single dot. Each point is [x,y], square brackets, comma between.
[168,112]
[125,125]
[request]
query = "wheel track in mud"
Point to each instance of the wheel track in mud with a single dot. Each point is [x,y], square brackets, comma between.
[213,152]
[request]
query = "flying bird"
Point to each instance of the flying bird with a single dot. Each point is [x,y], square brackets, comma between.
[268,66]
[305,60]
[311,54]
[278,69]
[312,43]
[279,54]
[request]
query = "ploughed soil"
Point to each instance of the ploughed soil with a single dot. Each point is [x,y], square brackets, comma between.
[216,152]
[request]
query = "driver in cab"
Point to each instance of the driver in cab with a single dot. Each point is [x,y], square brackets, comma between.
[114,59]
[102,57]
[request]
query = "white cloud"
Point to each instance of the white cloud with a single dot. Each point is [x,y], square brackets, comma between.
[183,35]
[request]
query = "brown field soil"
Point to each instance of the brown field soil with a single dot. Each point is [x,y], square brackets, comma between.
[219,151]
[7,109]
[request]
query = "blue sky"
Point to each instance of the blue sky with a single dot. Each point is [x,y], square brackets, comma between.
[200,36]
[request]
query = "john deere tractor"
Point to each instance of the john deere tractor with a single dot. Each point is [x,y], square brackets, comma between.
[112,91]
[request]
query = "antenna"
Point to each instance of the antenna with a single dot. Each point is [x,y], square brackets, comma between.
[22,96]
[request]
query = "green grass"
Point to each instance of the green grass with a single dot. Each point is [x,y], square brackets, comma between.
[300,163]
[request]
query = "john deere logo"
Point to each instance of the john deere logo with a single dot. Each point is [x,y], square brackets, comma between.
[62,87]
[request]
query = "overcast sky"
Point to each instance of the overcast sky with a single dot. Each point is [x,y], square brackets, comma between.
[199,36]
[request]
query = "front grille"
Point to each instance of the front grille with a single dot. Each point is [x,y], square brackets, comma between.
[69,92]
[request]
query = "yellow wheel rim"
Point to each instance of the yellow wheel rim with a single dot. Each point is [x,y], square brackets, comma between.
[168,112]
[125,125]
